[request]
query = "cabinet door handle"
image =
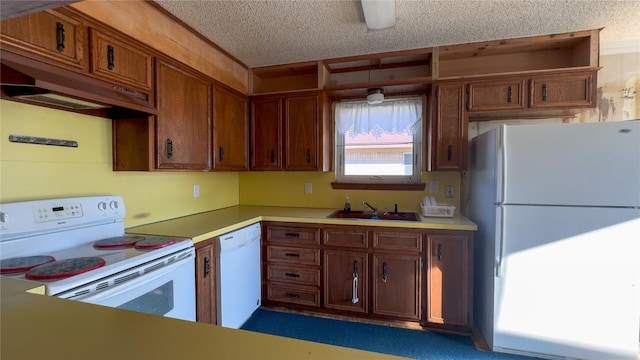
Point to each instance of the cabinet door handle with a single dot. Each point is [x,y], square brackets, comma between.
[293,255]
[273,156]
[509,94]
[449,152]
[354,288]
[439,252]
[308,155]
[60,36]
[169,148]
[220,153]
[207,267]
[292,295]
[110,58]
[292,275]
[292,234]
[384,272]
[544,92]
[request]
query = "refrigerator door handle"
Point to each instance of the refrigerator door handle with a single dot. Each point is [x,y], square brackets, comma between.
[500,252]
[501,166]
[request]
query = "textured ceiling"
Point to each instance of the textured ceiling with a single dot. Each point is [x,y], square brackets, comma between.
[269,32]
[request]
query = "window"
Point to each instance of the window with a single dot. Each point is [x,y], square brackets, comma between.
[379,144]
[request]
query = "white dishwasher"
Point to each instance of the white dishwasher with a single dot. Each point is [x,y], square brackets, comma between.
[239,285]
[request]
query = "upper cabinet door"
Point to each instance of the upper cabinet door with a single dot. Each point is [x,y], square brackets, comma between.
[52,36]
[183,125]
[120,61]
[266,139]
[230,130]
[568,91]
[301,133]
[449,130]
[496,95]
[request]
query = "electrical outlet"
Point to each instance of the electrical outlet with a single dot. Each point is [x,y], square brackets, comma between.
[433,186]
[196,190]
[308,188]
[448,191]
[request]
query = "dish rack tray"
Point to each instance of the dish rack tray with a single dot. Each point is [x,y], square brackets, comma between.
[440,210]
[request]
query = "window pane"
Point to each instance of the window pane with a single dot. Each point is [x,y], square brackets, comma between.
[379,153]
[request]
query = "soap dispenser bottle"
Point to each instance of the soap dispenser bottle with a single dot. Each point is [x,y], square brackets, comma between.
[347,205]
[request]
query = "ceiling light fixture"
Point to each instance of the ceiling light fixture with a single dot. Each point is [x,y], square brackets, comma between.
[376,96]
[379,14]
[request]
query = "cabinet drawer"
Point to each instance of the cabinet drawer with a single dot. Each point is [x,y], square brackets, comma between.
[294,294]
[352,237]
[499,95]
[293,235]
[120,62]
[47,35]
[293,255]
[397,241]
[294,275]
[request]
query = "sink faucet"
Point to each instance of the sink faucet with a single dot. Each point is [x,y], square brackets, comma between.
[375,210]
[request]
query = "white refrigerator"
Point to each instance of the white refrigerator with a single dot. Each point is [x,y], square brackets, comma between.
[557,252]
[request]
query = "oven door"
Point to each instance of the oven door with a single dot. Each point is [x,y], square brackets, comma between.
[169,291]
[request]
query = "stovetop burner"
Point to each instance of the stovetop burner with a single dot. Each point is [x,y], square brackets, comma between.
[154,243]
[118,242]
[64,268]
[24,263]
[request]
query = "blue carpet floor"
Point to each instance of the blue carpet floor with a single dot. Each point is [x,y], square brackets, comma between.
[415,344]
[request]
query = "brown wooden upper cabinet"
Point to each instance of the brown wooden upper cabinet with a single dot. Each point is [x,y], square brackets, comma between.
[496,95]
[230,130]
[563,91]
[290,132]
[120,61]
[183,123]
[53,36]
[448,129]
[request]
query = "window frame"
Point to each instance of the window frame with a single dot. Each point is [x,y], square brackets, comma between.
[396,182]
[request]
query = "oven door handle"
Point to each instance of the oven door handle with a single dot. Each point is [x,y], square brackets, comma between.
[96,297]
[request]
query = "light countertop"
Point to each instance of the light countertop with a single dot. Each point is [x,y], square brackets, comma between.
[214,223]
[44,327]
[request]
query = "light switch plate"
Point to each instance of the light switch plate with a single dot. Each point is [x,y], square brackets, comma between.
[448,191]
[433,187]
[196,190]
[308,188]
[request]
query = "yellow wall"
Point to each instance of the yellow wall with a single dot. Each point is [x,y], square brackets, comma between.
[287,189]
[29,172]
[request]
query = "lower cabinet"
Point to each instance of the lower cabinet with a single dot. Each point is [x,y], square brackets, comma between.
[396,285]
[449,300]
[206,282]
[346,280]
[390,274]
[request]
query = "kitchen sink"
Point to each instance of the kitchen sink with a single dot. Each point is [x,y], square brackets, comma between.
[401,216]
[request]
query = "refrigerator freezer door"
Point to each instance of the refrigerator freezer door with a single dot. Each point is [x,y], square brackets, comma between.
[570,282]
[590,164]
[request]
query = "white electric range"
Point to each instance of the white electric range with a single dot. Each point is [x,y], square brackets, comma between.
[78,249]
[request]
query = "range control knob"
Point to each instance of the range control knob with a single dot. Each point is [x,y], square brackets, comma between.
[102,206]
[114,205]
[3,217]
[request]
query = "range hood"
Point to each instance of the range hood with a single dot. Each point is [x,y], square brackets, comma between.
[30,81]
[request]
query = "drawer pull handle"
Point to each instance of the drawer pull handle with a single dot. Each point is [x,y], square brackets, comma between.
[207,267]
[544,92]
[169,148]
[60,36]
[292,275]
[110,58]
[509,94]
[384,272]
[354,290]
[292,255]
[449,152]
[291,295]
[290,234]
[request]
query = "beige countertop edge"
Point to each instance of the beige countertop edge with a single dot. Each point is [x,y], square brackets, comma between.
[45,327]
[214,223]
